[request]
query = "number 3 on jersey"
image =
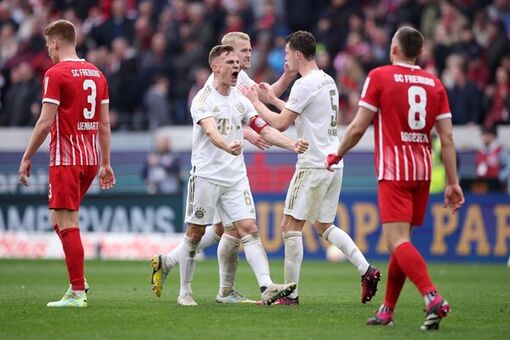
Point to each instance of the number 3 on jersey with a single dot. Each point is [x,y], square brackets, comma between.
[91,98]
[417,99]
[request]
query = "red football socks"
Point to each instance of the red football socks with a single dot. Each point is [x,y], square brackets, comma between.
[395,283]
[413,265]
[73,250]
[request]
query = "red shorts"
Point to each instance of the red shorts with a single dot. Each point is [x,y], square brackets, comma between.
[403,201]
[68,185]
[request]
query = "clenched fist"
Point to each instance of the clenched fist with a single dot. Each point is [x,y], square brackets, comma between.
[300,146]
[235,148]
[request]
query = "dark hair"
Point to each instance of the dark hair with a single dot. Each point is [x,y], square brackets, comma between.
[218,50]
[61,29]
[303,42]
[410,41]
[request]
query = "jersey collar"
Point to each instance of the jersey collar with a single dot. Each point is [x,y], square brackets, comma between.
[70,59]
[415,67]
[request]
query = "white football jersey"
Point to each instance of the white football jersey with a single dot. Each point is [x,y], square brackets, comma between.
[314,98]
[242,79]
[229,112]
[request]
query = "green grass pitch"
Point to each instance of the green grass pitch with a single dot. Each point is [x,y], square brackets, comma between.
[122,305]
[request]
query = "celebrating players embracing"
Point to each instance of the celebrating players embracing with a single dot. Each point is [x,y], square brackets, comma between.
[218,182]
[313,192]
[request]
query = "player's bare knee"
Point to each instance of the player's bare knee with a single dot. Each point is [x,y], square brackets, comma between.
[219,229]
[195,233]
[232,232]
[321,227]
[289,223]
[252,229]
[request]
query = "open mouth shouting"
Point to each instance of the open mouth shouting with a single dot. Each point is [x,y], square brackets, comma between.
[234,76]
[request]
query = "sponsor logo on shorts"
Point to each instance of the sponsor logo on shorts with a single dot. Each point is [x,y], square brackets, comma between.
[199,213]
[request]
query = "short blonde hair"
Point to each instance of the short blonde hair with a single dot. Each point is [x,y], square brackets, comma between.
[231,37]
[61,29]
[218,50]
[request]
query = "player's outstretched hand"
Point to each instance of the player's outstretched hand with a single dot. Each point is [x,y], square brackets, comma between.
[265,92]
[331,159]
[249,92]
[453,197]
[24,171]
[235,148]
[301,145]
[106,177]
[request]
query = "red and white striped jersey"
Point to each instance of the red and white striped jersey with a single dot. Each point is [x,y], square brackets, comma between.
[407,101]
[79,89]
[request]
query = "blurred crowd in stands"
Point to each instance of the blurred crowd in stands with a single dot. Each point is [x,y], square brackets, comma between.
[154,53]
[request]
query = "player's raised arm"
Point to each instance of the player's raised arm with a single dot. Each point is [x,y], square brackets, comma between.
[353,134]
[106,175]
[283,82]
[280,121]
[209,126]
[266,91]
[275,137]
[41,130]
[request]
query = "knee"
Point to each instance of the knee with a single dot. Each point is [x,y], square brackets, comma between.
[321,228]
[289,223]
[392,243]
[284,226]
[252,229]
[232,233]
[219,229]
[195,234]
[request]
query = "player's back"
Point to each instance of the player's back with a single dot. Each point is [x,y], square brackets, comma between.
[79,89]
[408,101]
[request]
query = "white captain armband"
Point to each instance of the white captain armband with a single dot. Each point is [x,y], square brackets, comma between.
[258,124]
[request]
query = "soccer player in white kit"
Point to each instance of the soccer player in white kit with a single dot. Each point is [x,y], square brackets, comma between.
[218,181]
[229,242]
[314,191]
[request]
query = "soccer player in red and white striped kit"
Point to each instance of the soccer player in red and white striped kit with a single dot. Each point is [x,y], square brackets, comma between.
[75,109]
[405,103]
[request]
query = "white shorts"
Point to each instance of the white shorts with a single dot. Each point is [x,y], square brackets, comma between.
[313,195]
[207,201]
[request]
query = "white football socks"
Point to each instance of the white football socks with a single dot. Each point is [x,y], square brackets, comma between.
[344,242]
[171,259]
[187,264]
[228,258]
[257,259]
[293,241]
